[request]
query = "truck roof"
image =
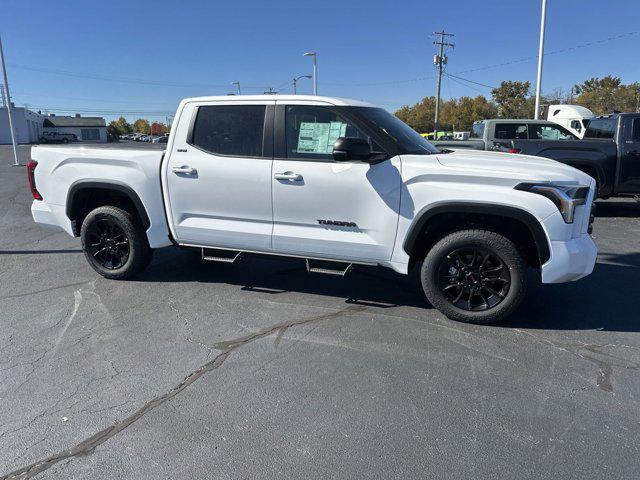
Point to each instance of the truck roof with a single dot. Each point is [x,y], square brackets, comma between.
[241,98]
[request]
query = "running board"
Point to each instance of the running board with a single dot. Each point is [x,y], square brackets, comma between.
[328,267]
[220,256]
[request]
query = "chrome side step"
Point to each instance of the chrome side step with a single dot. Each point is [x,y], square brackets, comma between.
[328,267]
[220,256]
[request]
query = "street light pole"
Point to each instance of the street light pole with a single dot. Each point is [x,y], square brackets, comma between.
[540,55]
[315,70]
[295,82]
[237,84]
[8,102]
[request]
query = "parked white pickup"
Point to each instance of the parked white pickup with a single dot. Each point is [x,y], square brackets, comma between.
[337,182]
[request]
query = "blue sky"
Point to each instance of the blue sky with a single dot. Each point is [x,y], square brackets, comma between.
[379,51]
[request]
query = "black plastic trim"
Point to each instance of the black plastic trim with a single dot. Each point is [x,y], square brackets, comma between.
[422,218]
[108,185]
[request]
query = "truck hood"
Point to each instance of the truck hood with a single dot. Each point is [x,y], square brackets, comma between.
[525,167]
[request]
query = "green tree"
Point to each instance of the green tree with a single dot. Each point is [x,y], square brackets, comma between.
[124,126]
[604,95]
[113,130]
[420,116]
[512,99]
[459,115]
[141,126]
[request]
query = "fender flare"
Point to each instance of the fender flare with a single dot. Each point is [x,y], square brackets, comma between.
[107,185]
[532,223]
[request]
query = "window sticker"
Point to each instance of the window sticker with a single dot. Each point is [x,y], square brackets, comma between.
[319,137]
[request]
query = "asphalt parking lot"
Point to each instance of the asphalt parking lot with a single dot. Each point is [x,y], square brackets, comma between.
[260,370]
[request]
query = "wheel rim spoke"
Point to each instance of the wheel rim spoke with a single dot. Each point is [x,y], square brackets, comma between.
[107,243]
[473,278]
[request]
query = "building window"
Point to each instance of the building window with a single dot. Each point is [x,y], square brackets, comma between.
[90,134]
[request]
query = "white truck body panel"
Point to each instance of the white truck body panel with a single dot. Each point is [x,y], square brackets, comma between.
[237,203]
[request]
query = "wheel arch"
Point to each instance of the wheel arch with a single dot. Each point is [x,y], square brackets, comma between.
[463,211]
[84,195]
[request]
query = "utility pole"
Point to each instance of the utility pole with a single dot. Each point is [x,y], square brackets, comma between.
[540,55]
[7,97]
[440,59]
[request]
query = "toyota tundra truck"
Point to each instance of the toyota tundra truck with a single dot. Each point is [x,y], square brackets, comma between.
[333,182]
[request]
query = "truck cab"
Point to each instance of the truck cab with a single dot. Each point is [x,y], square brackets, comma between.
[574,118]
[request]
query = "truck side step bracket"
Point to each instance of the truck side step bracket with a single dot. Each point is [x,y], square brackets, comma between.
[220,256]
[328,267]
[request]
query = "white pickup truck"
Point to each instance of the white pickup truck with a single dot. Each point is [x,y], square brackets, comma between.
[335,182]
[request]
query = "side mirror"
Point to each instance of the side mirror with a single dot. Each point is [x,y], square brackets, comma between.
[351,148]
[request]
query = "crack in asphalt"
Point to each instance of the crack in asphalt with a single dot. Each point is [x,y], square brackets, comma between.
[592,353]
[88,445]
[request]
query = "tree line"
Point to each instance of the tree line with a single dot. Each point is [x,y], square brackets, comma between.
[513,99]
[120,127]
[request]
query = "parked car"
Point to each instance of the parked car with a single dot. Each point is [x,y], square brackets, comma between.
[335,182]
[609,152]
[57,137]
[160,139]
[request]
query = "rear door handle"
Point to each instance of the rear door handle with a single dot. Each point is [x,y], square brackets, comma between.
[185,169]
[294,177]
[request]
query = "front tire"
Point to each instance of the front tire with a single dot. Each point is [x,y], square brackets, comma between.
[115,243]
[475,276]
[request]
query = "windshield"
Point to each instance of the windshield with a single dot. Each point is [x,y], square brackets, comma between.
[407,139]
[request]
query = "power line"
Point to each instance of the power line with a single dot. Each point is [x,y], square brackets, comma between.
[102,111]
[554,52]
[112,78]
[465,84]
[469,81]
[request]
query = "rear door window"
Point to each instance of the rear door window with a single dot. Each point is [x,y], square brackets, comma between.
[511,131]
[233,130]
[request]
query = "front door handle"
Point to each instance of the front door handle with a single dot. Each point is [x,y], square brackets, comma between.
[184,169]
[293,177]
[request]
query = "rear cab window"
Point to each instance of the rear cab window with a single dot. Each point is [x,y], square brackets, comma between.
[477,131]
[601,128]
[511,131]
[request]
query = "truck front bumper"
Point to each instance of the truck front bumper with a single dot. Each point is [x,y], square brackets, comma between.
[570,260]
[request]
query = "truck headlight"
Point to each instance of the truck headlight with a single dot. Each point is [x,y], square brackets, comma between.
[565,197]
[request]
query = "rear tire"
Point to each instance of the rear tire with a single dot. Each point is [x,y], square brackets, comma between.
[475,276]
[115,243]
[65,140]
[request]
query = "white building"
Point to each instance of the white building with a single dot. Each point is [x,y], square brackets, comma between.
[86,129]
[27,125]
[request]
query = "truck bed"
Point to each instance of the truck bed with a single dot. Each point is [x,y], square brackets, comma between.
[63,170]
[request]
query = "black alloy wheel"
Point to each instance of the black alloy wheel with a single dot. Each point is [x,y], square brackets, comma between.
[474,275]
[474,278]
[108,243]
